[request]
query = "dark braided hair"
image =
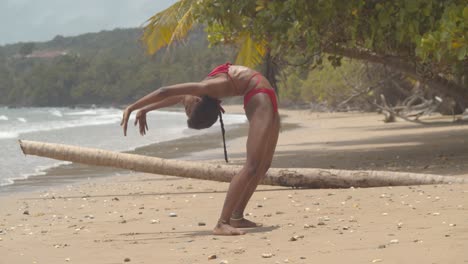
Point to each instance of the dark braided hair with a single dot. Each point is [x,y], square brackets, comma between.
[205,114]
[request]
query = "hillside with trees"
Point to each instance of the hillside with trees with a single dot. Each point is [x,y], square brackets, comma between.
[105,68]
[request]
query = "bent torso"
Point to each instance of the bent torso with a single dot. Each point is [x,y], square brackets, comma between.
[241,81]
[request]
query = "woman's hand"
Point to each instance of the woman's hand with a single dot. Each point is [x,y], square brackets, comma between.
[126,116]
[141,120]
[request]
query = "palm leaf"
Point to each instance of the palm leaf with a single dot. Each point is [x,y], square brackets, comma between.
[251,52]
[167,26]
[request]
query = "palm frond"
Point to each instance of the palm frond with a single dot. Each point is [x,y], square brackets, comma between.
[251,52]
[167,26]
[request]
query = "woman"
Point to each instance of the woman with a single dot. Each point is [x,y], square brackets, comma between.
[201,101]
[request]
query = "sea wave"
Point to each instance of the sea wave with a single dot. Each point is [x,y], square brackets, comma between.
[38,171]
[3,118]
[57,125]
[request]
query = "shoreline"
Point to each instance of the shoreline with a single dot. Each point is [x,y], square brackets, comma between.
[146,218]
[72,173]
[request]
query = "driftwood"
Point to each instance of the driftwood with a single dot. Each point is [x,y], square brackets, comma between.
[300,177]
[409,110]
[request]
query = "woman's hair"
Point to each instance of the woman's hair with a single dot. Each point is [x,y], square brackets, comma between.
[205,114]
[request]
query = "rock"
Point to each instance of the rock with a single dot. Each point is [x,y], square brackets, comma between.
[223,262]
[172,215]
[155,221]
[382,246]
[210,257]
[394,241]
[26,212]
[115,199]
[321,223]
[127,260]
[201,224]
[376,260]
[296,237]
[267,255]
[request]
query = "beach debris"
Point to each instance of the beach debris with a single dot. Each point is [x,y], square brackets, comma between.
[172,215]
[382,246]
[376,260]
[115,199]
[321,223]
[267,255]
[89,216]
[239,250]
[123,222]
[127,260]
[394,241]
[67,259]
[213,256]
[307,226]
[224,262]
[201,224]
[26,212]
[155,221]
[452,225]
[296,237]
[400,225]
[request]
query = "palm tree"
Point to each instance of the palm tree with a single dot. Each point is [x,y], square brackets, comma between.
[298,177]
[174,23]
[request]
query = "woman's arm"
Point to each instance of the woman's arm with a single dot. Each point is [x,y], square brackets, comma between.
[217,88]
[141,114]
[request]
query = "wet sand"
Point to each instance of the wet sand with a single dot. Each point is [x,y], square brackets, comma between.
[143,218]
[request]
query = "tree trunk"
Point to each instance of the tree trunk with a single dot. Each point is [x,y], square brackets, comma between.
[300,177]
[271,70]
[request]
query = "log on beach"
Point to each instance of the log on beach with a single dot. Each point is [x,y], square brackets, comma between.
[290,177]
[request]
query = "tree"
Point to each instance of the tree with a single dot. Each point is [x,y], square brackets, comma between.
[301,178]
[425,39]
[27,48]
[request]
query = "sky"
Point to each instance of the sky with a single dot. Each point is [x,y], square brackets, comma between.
[42,20]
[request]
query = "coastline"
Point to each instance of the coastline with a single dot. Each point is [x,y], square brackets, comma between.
[71,173]
[144,218]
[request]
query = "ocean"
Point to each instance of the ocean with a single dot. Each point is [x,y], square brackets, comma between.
[93,127]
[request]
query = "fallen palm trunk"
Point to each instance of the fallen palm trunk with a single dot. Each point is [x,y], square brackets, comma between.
[300,177]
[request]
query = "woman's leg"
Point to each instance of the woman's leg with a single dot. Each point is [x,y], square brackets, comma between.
[237,218]
[261,120]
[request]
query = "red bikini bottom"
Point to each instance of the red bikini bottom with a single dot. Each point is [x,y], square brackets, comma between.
[269,92]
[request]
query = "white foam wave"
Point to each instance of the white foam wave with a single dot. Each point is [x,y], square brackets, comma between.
[39,170]
[62,124]
[55,112]
[84,112]
[8,135]
[3,117]
[22,119]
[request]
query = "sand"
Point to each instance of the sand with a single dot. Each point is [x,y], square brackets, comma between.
[143,218]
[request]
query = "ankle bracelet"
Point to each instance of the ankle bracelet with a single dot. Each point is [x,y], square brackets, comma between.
[237,219]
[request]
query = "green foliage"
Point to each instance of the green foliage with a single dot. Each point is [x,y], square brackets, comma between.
[327,84]
[431,33]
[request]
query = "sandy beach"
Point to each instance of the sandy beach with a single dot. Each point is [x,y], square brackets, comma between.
[143,218]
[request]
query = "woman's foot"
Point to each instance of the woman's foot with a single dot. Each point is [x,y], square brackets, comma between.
[243,223]
[223,229]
